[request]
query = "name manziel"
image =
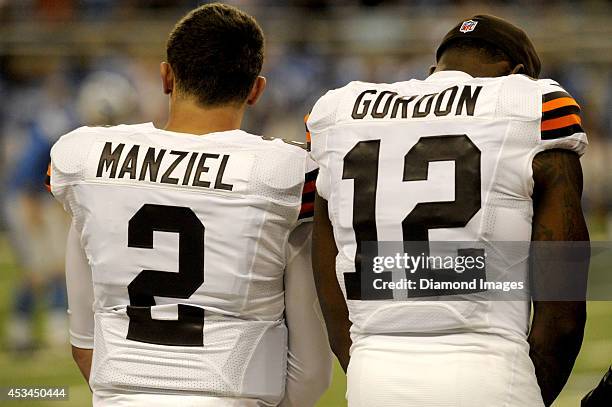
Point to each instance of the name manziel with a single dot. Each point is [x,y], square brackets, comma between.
[115,165]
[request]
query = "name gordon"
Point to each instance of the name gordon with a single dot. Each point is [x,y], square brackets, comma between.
[387,104]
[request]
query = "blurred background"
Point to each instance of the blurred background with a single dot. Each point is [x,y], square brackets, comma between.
[66,63]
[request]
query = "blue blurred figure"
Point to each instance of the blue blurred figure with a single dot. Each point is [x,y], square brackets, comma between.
[37,224]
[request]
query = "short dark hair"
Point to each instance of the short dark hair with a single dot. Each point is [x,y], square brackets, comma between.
[485,48]
[216,52]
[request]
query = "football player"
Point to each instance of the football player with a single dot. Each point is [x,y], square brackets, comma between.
[188,259]
[480,151]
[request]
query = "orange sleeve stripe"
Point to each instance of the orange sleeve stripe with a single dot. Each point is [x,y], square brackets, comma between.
[48,178]
[307,131]
[560,122]
[557,103]
[309,187]
[307,207]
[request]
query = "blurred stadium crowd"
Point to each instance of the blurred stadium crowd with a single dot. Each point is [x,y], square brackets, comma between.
[66,63]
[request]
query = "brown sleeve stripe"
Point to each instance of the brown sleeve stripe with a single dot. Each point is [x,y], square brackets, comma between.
[308,197]
[312,175]
[560,112]
[562,132]
[555,95]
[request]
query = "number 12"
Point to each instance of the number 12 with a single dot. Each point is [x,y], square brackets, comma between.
[361,165]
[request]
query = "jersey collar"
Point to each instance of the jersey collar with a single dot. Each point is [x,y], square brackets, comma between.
[448,75]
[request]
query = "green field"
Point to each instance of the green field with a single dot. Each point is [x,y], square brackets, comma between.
[54,367]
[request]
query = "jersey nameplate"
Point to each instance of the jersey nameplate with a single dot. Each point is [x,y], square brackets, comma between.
[455,100]
[134,163]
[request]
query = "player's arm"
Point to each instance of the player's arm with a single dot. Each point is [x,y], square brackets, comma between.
[82,358]
[309,357]
[332,301]
[557,327]
[80,303]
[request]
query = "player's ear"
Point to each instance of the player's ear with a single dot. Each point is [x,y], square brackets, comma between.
[256,90]
[520,68]
[167,77]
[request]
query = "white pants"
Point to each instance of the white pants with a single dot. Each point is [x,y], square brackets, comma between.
[126,399]
[438,371]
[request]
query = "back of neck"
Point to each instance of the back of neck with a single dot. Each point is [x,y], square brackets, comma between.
[472,63]
[188,117]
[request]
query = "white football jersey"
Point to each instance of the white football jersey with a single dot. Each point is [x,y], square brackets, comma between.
[444,159]
[186,237]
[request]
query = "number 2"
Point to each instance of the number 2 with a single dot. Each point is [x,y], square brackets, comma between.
[188,329]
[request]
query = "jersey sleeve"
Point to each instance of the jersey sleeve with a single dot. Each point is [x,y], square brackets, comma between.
[323,113]
[561,121]
[319,123]
[68,160]
[79,287]
[309,358]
